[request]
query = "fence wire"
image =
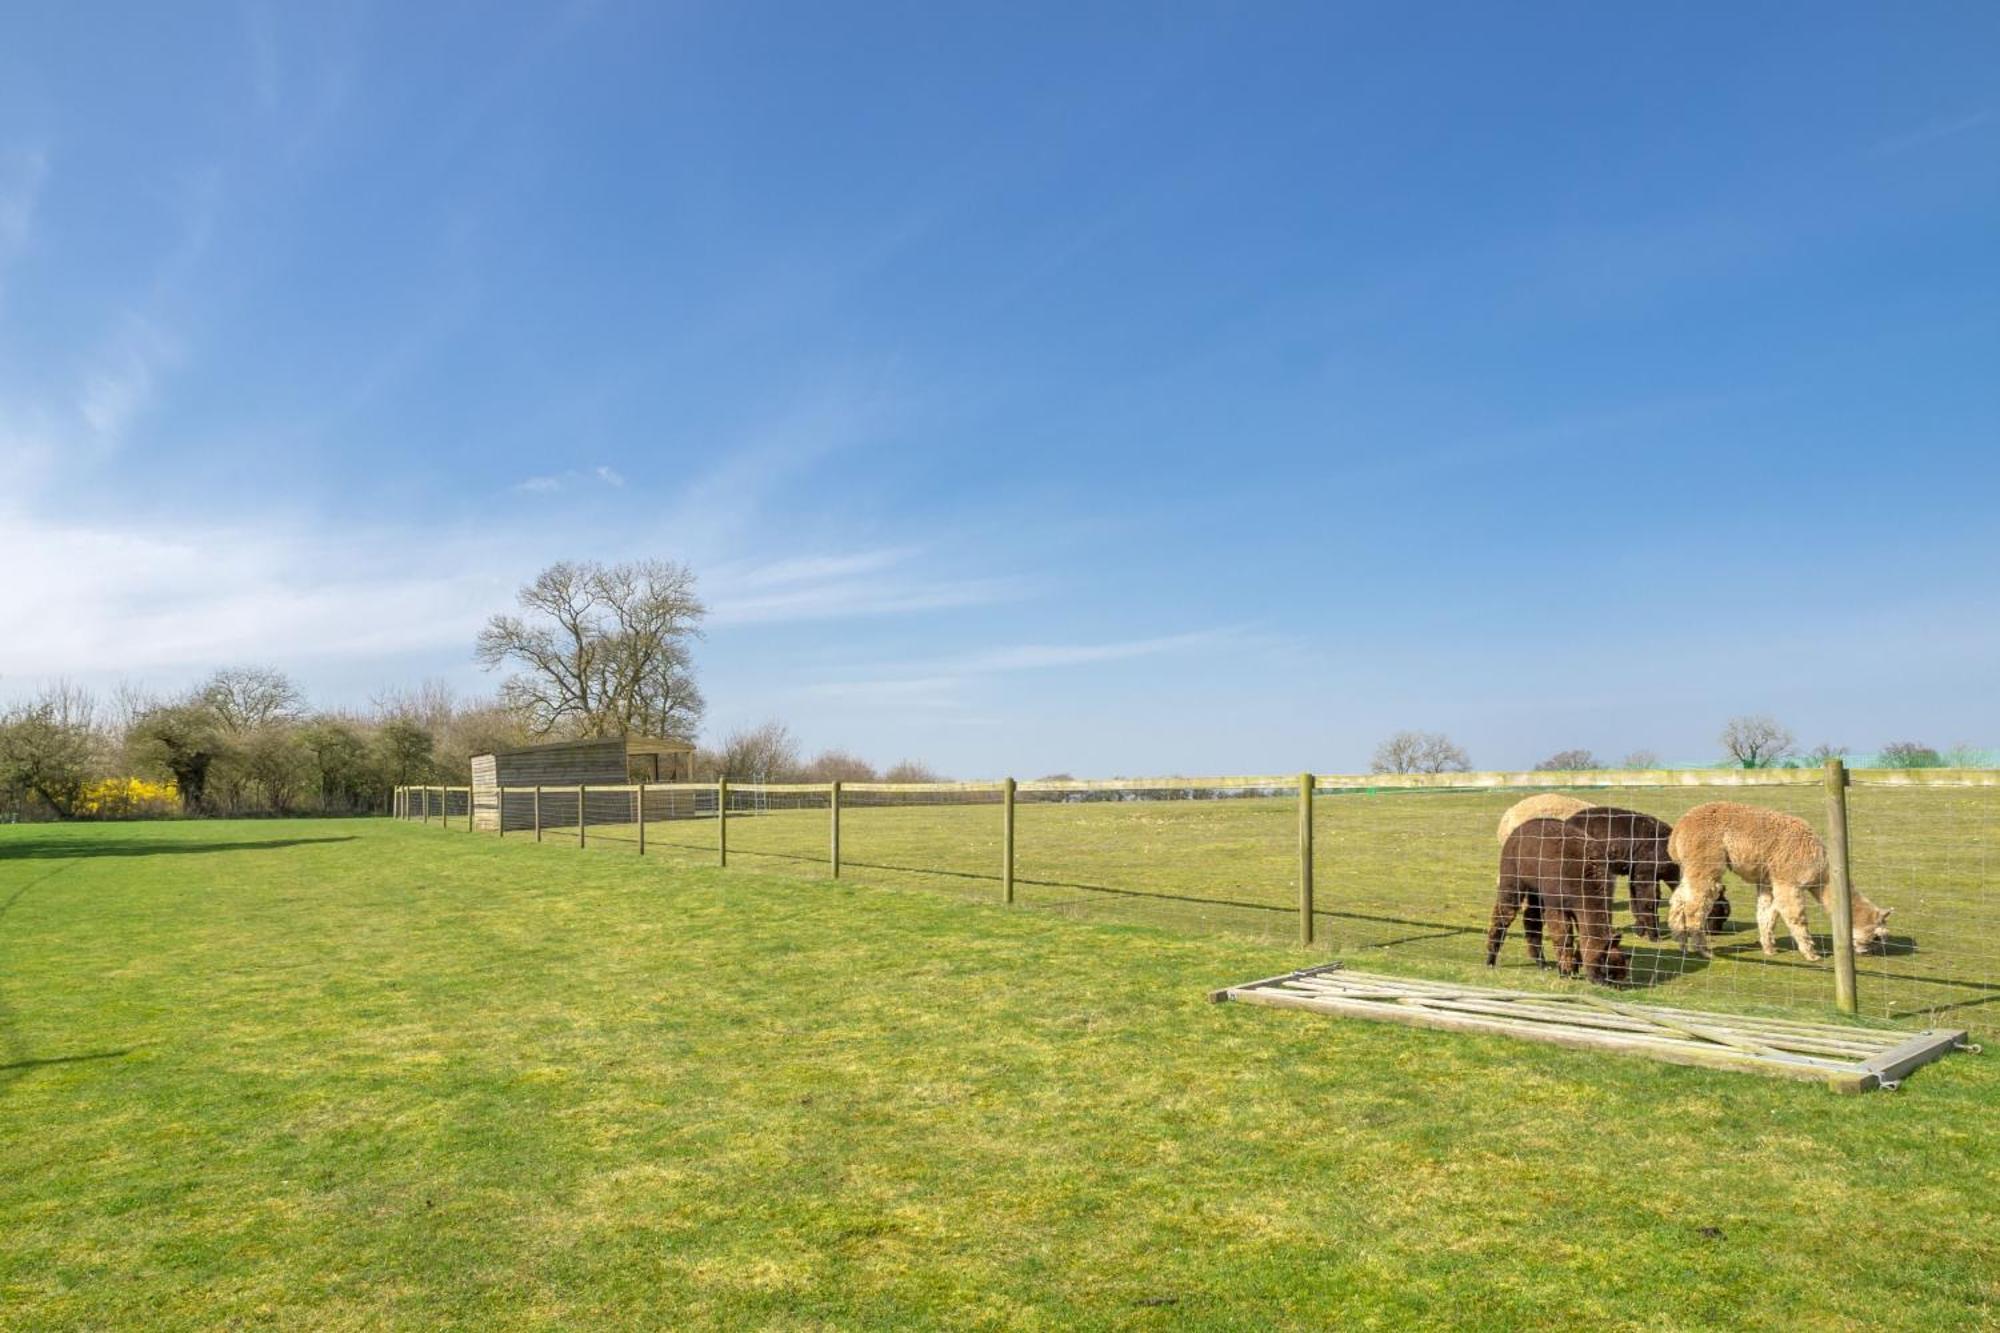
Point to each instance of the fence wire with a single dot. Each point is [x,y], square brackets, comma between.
[1200,853]
[1930,856]
[1403,877]
[1409,879]
[944,837]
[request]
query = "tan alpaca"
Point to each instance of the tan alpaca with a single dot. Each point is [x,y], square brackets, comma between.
[1549,805]
[1778,853]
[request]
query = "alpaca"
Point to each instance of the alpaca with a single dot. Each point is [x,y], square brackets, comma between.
[1548,805]
[1779,853]
[1559,876]
[1637,846]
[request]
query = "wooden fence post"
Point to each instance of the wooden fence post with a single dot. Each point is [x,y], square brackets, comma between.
[722,821]
[641,799]
[427,805]
[538,812]
[1839,889]
[1007,841]
[833,804]
[499,812]
[579,813]
[471,809]
[1305,858]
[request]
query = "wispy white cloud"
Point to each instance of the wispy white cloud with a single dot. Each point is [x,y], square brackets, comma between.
[889,581]
[117,386]
[562,481]
[23,172]
[138,599]
[1947,127]
[938,682]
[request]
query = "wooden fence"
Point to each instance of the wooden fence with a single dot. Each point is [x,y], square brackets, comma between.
[536,812]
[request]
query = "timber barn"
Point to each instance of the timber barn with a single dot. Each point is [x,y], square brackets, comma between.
[563,766]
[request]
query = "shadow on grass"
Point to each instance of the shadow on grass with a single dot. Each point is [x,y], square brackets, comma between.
[76,849]
[22,1065]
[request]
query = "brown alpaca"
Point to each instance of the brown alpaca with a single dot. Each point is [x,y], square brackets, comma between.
[1558,876]
[1637,847]
[1548,805]
[1779,853]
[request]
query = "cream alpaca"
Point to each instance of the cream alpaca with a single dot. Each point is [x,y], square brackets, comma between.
[1778,853]
[1549,805]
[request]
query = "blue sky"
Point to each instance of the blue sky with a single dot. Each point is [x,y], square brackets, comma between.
[1118,389]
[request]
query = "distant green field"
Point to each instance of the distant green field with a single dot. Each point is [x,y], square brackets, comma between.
[1404,881]
[361,1074]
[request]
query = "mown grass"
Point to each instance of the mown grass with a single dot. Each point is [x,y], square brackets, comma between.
[1404,881]
[362,1074]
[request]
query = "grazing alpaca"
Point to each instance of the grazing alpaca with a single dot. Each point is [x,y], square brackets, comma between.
[1778,853]
[1549,805]
[1558,875]
[1637,847]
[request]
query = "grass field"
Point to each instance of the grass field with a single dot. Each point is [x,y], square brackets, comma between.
[364,1074]
[1404,881]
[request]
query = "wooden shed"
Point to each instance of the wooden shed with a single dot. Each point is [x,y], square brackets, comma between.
[565,765]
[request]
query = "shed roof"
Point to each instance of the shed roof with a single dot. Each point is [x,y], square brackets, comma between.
[633,745]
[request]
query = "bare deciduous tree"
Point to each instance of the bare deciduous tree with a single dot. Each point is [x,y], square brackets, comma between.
[1419,752]
[766,753]
[837,766]
[246,698]
[1640,759]
[911,770]
[604,650]
[1909,754]
[1756,741]
[1822,752]
[1568,761]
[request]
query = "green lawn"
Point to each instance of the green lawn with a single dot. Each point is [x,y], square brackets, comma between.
[1404,881]
[365,1074]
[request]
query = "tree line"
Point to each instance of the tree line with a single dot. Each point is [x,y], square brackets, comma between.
[245,741]
[1747,741]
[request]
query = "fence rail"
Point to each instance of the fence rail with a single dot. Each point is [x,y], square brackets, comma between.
[1400,865]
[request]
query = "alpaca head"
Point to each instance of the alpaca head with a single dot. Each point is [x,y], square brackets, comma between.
[1871,925]
[1718,914]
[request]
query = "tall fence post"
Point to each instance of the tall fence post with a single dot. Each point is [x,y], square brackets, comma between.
[1007,841]
[499,812]
[1305,858]
[427,804]
[640,800]
[538,812]
[722,821]
[579,813]
[833,847]
[471,809]
[1839,888]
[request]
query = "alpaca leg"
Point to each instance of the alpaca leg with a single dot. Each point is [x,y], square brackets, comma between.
[1792,906]
[1645,895]
[1506,905]
[1767,921]
[1531,924]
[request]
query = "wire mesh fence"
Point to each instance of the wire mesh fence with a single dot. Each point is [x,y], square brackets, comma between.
[1404,874]
[1202,853]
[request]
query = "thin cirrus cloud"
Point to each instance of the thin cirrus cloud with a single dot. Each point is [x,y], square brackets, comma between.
[562,481]
[938,682]
[825,587]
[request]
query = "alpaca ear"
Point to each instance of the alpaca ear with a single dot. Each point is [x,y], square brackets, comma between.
[1887,912]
